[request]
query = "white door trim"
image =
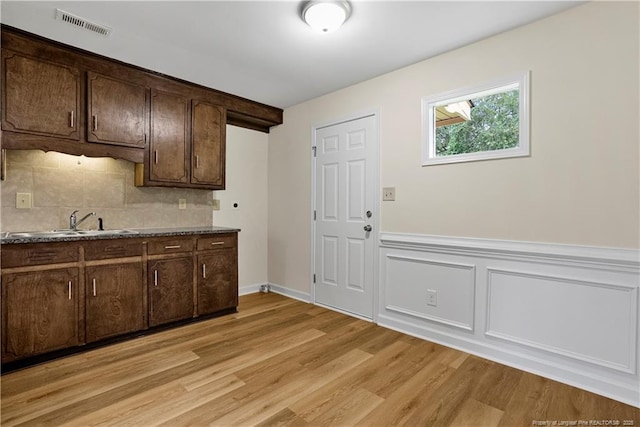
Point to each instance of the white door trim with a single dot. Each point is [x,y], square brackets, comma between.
[375,113]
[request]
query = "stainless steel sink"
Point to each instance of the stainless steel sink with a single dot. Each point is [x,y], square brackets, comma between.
[103,232]
[66,233]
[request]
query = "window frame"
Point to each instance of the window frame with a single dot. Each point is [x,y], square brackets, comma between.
[518,81]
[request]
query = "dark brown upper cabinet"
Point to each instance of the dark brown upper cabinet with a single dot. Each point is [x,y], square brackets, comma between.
[208,144]
[39,97]
[59,98]
[116,111]
[187,144]
[168,150]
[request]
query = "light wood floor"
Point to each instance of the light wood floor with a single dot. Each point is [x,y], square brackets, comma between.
[282,362]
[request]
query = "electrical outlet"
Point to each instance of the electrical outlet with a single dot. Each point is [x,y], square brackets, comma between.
[23,200]
[182,203]
[432,297]
[389,193]
[215,204]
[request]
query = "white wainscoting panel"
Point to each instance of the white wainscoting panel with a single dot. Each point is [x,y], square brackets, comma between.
[413,277]
[569,313]
[591,321]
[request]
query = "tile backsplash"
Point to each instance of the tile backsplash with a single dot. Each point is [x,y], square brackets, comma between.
[60,183]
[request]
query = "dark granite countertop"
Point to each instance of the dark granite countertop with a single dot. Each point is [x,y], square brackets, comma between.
[6,238]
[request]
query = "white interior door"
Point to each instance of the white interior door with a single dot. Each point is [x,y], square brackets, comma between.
[345,207]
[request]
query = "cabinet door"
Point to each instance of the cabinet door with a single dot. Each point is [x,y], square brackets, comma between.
[169,154]
[39,312]
[113,300]
[116,111]
[217,281]
[208,144]
[170,290]
[39,97]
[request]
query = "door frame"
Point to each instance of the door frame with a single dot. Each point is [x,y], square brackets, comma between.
[375,223]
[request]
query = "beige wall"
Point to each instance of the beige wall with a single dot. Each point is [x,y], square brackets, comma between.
[580,185]
[60,183]
[246,185]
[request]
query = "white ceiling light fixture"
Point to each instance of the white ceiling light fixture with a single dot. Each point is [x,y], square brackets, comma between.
[326,16]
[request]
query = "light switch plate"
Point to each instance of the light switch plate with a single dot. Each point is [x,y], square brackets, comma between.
[23,200]
[389,193]
[182,203]
[215,204]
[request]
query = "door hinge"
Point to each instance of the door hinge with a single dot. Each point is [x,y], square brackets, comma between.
[314,278]
[314,150]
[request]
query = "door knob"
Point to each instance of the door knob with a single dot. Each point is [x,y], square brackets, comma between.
[367,228]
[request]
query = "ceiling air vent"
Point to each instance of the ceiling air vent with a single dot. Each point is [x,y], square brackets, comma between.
[69,18]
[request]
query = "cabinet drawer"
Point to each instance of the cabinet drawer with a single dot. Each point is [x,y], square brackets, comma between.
[106,249]
[217,242]
[169,246]
[38,254]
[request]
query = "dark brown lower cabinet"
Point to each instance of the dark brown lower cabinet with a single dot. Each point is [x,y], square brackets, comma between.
[66,294]
[217,280]
[170,283]
[39,312]
[114,303]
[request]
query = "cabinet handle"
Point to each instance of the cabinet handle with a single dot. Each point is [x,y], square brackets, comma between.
[94,286]
[69,289]
[155,156]
[155,277]
[72,121]
[217,243]
[197,161]
[172,247]
[95,122]
[204,271]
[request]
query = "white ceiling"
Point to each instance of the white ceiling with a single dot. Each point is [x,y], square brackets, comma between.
[262,50]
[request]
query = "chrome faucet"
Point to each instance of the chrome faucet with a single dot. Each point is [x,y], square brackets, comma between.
[74,222]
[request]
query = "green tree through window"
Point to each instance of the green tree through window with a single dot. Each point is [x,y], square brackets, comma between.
[493,126]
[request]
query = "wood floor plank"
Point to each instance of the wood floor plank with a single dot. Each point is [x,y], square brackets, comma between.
[158,405]
[279,361]
[265,405]
[406,406]
[477,414]
[32,404]
[284,418]
[346,407]
[309,406]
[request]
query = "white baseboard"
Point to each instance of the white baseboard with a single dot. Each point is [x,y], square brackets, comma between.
[291,293]
[250,289]
[569,313]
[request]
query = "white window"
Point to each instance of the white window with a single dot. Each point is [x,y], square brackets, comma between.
[487,121]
